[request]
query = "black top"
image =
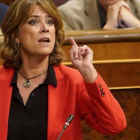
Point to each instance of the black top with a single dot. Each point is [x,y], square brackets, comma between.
[29,122]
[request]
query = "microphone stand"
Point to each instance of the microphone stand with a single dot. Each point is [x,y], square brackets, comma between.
[60,134]
[67,123]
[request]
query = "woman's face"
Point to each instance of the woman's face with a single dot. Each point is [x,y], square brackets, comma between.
[37,35]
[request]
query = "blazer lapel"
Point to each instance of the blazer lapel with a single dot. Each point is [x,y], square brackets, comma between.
[57,97]
[135,7]
[5,100]
[93,17]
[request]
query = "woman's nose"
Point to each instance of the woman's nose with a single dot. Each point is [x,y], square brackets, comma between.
[44,30]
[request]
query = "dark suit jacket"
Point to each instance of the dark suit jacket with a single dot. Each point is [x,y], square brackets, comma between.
[91,102]
[3,10]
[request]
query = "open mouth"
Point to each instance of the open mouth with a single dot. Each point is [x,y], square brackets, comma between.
[44,40]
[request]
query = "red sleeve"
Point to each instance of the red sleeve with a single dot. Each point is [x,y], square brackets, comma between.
[100,109]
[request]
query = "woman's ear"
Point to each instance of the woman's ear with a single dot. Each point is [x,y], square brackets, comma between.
[17,40]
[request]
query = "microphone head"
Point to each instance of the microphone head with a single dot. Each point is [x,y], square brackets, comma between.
[70,118]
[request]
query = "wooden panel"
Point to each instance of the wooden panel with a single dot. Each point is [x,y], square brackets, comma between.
[119,75]
[111,51]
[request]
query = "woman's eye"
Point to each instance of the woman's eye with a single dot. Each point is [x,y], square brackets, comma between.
[50,22]
[33,22]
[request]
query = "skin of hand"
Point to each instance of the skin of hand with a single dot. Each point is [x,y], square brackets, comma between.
[127,20]
[113,13]
[82,58]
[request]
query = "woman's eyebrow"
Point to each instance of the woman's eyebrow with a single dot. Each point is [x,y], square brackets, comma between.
[38,16]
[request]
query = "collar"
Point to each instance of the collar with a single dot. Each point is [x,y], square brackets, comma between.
[51,78]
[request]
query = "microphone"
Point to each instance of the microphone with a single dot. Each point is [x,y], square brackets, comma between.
[67,123]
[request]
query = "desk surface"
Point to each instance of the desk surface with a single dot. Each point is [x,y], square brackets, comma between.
[103,36]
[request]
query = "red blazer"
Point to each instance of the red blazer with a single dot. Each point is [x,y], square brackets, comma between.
[91,102]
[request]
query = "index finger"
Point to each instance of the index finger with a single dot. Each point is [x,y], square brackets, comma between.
[72,41]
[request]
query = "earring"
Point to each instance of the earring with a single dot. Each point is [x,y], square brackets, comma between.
[17,44]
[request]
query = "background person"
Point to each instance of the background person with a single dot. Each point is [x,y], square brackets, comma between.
[97,14]
[37,92]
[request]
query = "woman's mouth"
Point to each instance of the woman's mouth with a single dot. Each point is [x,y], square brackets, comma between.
[44,41]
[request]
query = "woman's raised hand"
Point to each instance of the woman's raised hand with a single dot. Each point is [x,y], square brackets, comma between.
[82,58]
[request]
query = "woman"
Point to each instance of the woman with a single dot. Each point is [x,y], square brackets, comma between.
[37,92]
